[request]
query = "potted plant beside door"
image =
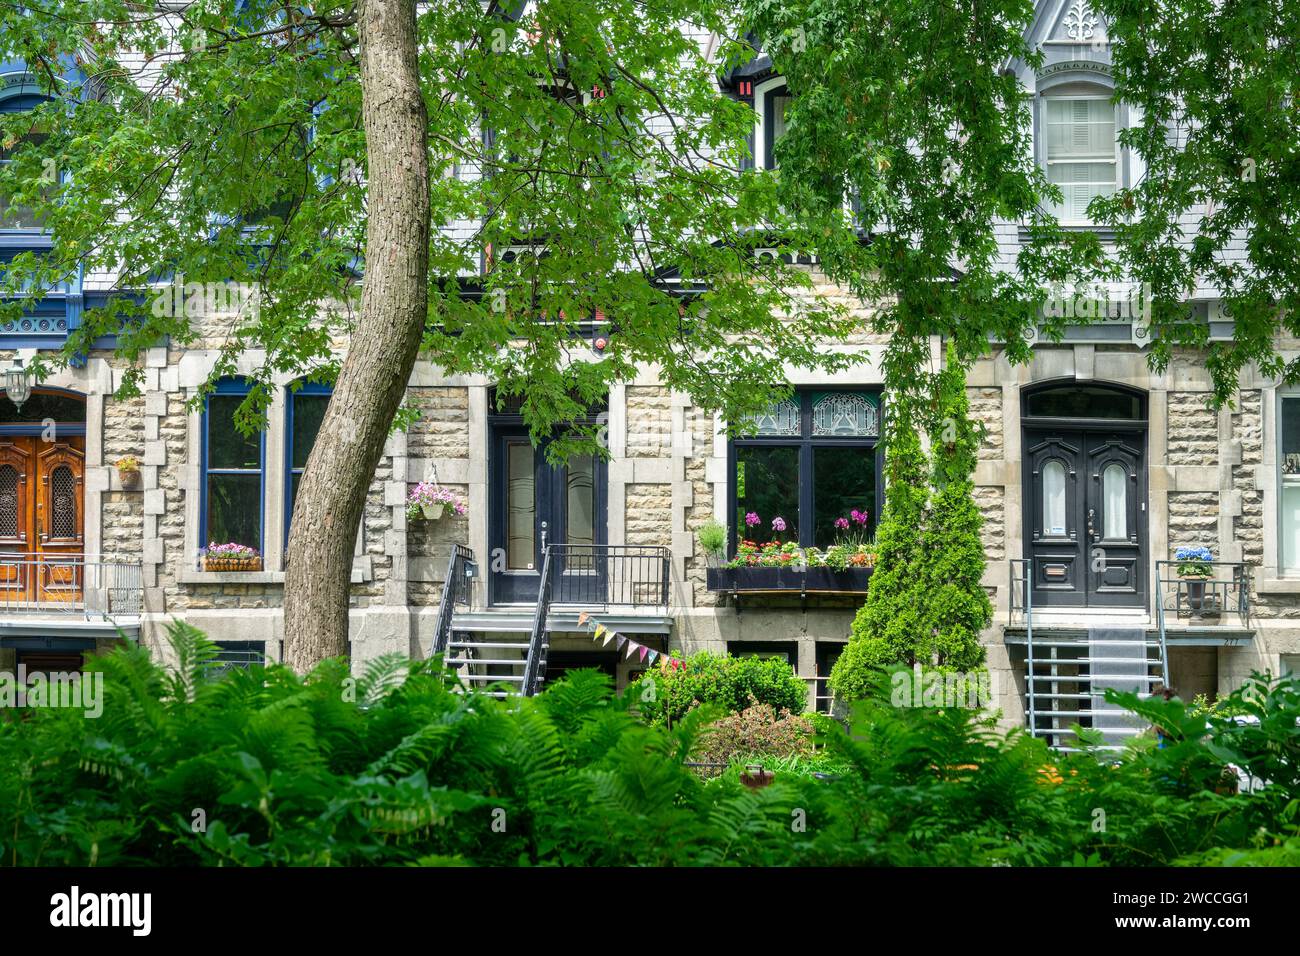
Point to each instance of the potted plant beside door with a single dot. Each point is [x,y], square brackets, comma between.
[1194,568]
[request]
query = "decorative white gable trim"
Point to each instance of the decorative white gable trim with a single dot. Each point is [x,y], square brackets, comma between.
[1080,22]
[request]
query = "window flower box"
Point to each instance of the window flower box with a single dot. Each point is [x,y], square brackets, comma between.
[796,578]
[231,557]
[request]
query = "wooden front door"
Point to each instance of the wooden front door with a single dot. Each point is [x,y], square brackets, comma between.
[42,519]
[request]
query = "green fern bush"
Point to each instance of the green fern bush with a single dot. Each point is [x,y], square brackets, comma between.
[262,767]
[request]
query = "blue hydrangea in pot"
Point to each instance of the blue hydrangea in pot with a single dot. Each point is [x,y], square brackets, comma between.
[1194,568]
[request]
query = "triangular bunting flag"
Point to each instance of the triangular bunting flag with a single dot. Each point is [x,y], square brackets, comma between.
[631,646]
[643,651]
[609,636]
[653,656]
[582,618]
[600,629]
[621,641]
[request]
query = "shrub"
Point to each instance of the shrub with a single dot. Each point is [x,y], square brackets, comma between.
[926,602]
[757,731]
[666,692]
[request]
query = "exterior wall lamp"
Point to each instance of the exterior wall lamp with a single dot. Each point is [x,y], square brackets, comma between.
[18,384]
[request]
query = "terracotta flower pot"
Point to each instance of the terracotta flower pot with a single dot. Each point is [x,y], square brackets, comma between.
[130,478]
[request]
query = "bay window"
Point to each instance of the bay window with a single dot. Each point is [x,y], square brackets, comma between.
[803,465]
[1080,154]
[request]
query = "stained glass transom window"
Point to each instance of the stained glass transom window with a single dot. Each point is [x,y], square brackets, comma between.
[844,415]
[781,419]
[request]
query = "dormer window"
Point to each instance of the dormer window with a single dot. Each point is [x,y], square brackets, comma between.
[771,101]
[1080,154]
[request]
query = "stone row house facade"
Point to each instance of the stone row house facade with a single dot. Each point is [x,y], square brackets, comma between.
[1085,448]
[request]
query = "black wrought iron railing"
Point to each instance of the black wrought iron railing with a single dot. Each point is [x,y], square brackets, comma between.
[461,570]
[1225,589]
[607,575]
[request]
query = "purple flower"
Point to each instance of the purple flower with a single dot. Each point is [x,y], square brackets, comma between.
[842,523]
[752,519]
[778,524]
[859,516]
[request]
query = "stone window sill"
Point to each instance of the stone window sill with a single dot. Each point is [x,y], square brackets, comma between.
[1278,586]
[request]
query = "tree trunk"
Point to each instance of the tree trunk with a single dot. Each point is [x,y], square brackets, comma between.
[383,346]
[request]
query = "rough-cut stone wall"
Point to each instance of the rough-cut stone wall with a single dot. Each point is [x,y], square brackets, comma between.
[650,514]
[1193,519]
[649,422]
[992,503]
[442,430]
[1248,430]
[432,541]
[986,411]
[1193,430]
[699,425]
[123,511]
[173,432]
[376,522]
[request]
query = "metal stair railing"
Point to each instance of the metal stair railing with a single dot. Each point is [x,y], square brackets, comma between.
[535,666]
[1024,584]
[458,574]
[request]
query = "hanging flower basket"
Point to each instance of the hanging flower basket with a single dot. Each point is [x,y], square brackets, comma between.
[231,557]
[128,472]
[429,502]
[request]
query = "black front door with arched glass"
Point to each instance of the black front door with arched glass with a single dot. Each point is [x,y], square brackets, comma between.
[535,503]
[1085,495]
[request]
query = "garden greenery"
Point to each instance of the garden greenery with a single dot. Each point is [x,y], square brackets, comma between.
[264,767]
[926,602]
[669,691]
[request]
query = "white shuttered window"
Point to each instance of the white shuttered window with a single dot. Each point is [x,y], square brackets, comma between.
[1081,154]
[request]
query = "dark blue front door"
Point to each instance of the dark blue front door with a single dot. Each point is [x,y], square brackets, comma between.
[535,503]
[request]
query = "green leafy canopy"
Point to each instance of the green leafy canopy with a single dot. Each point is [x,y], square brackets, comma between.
[583,159]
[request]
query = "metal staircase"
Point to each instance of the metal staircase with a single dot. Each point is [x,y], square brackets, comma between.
[509,660]
[1071,662]
[502,652]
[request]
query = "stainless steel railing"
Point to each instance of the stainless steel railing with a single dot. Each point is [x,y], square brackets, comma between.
[92,586]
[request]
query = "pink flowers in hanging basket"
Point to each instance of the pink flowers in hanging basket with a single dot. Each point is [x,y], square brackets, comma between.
[432,502]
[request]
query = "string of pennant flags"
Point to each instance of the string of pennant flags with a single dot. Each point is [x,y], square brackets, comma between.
[623,643]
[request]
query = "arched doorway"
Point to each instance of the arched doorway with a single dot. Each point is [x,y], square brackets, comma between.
[1085,494]
[42,498]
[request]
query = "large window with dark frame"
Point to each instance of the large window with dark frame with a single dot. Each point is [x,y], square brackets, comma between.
[232,471]
[804,468]
[306,410]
